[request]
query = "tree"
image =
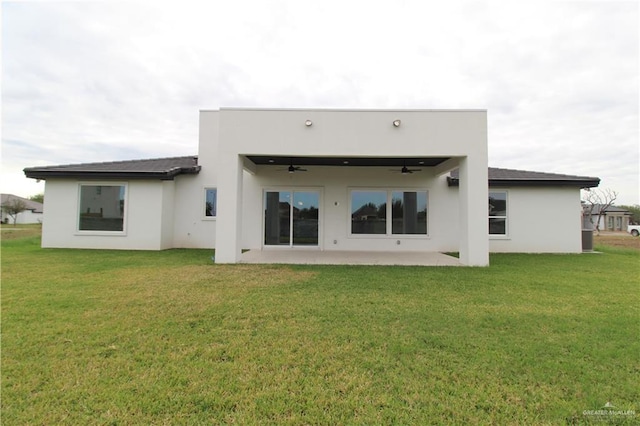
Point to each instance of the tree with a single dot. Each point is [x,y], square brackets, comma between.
[13,207]
[38,198]
[597,201]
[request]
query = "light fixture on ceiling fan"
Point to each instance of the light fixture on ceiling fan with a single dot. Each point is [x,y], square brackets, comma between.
[405,170]
[293,169]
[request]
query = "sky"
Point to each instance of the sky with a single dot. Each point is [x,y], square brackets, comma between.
[120,80]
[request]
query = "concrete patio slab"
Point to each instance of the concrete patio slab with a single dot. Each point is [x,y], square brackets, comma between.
[317,257]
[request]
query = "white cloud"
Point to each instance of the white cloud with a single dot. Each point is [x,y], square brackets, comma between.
[94,81]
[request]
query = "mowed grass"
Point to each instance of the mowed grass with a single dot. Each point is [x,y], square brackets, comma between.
[111,337]
[12,232]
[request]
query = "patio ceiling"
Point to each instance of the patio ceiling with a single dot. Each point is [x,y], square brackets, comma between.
[347,161]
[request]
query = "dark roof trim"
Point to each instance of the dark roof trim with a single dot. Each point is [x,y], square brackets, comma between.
[276,160]
[597,208]
[43,175]
[159,168]
[522,178]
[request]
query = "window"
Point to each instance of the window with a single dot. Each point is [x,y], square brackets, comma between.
[211,202]
[371,208]
[102,208]
[369,212]
[498,213]
[409,212]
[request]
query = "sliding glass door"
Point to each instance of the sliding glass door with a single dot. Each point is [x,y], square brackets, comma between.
[304,215]
[291,218]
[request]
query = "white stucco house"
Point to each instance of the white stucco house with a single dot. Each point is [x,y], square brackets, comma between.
[325,180]
[33,212]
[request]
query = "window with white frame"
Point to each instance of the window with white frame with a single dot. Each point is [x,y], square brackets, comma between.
[370,210]
[210,202]
[498,213]
[102,208]
[409,212]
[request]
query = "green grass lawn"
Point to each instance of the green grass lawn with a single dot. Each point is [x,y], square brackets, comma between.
[111,337]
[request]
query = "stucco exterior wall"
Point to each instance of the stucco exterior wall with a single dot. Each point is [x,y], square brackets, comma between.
[167,219]
[352,132]
[541,220]
[191,229]
[145,226]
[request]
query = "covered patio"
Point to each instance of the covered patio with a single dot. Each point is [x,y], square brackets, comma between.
[335,257]
[272,164]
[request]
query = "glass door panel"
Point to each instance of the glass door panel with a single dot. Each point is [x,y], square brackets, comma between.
[277,218]
[305,218]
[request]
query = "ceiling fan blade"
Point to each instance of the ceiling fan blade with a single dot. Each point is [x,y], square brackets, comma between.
[293,169]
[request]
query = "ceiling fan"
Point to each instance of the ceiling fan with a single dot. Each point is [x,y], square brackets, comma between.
[293,169]
[405,170]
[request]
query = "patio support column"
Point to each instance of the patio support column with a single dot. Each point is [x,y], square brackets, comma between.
[229,215]
[474,228]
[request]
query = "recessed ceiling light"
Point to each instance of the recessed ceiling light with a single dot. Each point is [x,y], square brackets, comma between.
[308,123]
[420,162]
[396,123]
[345,162]
[271,160]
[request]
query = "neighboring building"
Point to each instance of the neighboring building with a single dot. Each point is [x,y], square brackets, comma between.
[33,213]
[407,180]
[612,219]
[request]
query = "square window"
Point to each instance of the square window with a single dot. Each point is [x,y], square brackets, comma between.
[102,208]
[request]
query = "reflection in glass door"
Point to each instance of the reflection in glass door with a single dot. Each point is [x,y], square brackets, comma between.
[305,218]
[277,218]
[291,218]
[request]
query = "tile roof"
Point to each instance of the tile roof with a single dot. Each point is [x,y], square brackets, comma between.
[512,177]
[156,168]
[168,168]
[611,209]
[34,206]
